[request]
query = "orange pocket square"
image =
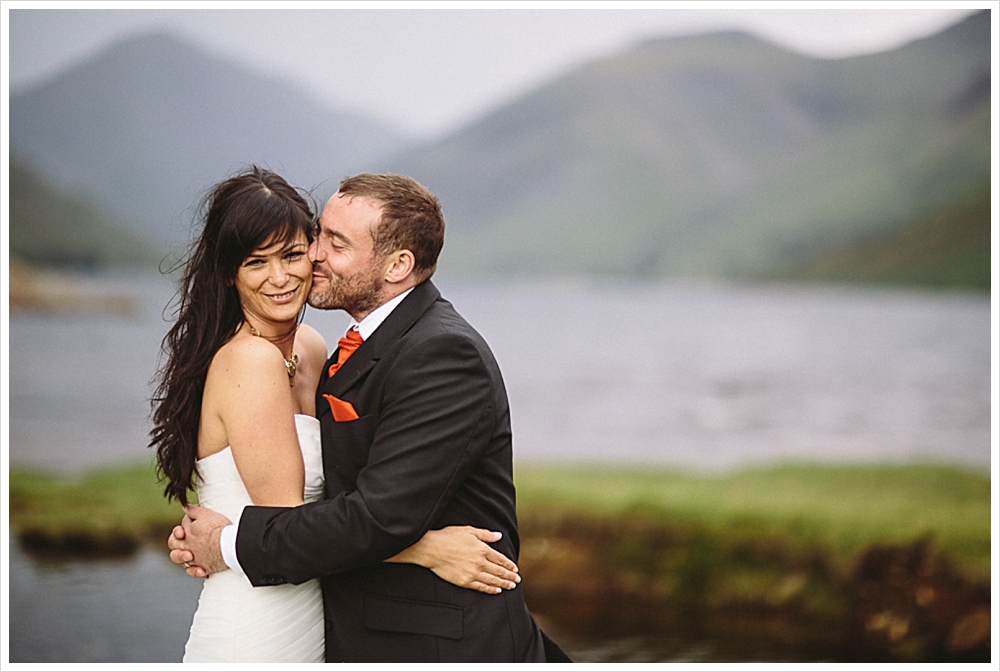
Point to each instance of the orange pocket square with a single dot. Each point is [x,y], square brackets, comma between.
[342,410]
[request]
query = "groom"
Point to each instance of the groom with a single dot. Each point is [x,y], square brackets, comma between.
[416,436]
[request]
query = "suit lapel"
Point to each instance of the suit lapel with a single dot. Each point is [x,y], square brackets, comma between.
[395,325]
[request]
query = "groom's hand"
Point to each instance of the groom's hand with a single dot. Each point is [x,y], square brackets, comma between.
[195,542]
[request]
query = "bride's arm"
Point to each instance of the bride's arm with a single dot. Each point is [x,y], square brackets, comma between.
[254,403]
[462,556]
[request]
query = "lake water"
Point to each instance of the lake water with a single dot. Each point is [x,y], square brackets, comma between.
[688,376]
[685,376]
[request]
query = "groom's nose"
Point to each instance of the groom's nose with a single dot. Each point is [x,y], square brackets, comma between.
[314,251]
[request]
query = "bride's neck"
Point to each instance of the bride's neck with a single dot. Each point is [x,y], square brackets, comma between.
[280,334]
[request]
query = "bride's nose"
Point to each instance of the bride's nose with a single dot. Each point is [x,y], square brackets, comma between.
[279,274]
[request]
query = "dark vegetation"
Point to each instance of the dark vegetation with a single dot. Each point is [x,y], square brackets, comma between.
[795,563]
[798,563]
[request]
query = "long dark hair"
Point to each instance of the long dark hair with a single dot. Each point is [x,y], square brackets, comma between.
[240,215]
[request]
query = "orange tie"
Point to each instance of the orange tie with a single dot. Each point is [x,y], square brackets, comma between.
[345,348]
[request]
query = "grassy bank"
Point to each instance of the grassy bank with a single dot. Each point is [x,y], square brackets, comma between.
[850,563]
[800,562]
[840,509]
[41,289]
[104,512]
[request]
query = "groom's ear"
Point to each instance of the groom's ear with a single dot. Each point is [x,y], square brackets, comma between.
[399,266]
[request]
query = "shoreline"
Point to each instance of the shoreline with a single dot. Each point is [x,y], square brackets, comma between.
[675,557]
[52,291]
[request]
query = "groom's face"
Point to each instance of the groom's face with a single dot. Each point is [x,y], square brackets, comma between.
[347,274]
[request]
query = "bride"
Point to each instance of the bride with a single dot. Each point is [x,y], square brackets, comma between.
[234,418]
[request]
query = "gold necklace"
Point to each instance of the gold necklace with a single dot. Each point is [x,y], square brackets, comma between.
[290,364]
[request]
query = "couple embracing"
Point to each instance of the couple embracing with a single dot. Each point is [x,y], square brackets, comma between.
[352,509]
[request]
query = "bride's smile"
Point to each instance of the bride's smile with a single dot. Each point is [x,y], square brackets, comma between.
[273,282]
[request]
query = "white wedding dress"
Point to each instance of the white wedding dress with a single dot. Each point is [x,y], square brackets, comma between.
[235,622]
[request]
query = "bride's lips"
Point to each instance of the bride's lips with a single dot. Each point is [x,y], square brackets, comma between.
[284,297]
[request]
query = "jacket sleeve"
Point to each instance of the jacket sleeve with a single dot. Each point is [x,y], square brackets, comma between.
[437,416]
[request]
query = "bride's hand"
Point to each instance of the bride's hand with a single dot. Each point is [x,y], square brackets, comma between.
[461,555]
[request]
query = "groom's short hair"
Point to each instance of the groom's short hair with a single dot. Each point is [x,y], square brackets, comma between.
[411,217]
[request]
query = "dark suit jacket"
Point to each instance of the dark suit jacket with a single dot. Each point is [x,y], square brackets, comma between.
[431,448]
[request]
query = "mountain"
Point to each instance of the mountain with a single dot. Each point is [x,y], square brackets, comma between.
[148,124]
[715,155]
[949,247]
[50,228]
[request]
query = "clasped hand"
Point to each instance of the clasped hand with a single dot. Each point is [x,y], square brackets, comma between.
[195,542]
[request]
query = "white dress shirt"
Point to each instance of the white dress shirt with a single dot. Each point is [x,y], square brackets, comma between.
[366,327]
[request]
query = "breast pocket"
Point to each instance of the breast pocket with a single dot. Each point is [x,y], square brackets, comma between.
[345,449]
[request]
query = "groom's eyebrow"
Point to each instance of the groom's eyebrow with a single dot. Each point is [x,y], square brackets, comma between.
[339,237]
[329,231]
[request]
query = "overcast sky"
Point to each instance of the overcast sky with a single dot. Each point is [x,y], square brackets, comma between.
[430,70]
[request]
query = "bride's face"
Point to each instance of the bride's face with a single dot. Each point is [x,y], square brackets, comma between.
[274,281]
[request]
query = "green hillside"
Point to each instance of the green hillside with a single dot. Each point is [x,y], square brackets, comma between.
[48,228]
[714,156]
[947,248]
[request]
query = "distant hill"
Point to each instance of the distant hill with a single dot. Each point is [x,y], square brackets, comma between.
[708,156]
[50,228]
[148,124]
[714,156]
[946,248]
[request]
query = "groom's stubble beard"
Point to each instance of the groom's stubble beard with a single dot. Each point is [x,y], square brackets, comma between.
[355,294]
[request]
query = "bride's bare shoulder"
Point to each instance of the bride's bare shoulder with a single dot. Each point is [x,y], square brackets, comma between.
[310,343]
[246,355]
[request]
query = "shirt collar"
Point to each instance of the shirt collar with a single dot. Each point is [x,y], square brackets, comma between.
[374,319]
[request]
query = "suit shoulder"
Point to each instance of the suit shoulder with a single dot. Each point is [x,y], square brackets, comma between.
[443,332]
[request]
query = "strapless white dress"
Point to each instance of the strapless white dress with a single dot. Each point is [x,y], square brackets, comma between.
[235,622]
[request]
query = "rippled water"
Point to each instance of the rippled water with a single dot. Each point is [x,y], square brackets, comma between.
[136,610]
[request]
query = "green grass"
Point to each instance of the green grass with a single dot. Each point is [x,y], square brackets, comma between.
[117,501]
[841,509]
